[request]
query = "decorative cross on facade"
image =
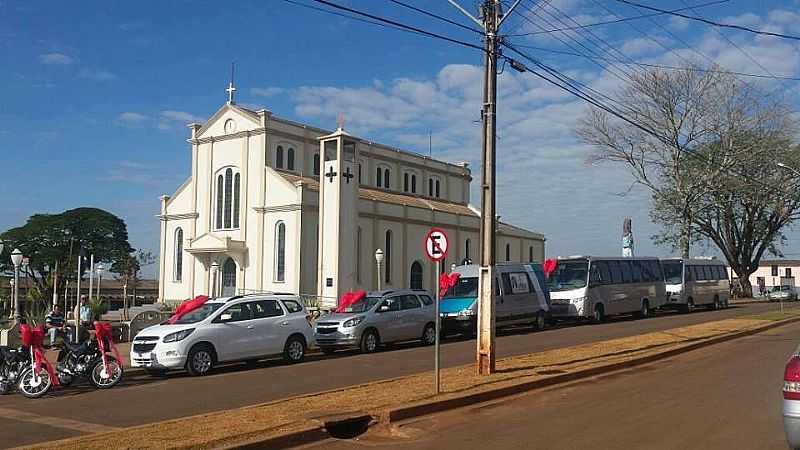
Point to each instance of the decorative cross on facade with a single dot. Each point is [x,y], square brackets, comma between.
[340,121]
[347,175]
[331,175]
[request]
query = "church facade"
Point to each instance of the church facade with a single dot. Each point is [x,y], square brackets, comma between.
[276,205]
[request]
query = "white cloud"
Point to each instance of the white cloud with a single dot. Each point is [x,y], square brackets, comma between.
[56,59]
[132,117]
[267,92]
[170,119]
[640,46]
[96,74]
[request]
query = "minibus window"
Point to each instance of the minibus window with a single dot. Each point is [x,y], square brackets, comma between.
[569,275]
[616,272]
[636,271]
[626,271]
[672,272]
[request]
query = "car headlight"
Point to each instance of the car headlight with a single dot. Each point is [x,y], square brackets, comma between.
[353,322]
[178,336]
[466,313]
[579,300]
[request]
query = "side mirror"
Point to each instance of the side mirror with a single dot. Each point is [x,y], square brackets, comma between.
[225,317]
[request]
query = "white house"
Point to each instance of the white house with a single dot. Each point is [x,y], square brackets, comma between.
[255,209]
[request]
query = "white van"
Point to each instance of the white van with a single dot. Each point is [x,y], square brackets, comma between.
[596,287]
[521,296]
[696,282]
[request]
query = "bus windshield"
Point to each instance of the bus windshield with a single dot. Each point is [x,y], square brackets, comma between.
[465,287]
[673,272]
[569,275]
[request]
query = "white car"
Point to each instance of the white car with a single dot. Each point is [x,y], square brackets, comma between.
[242,328]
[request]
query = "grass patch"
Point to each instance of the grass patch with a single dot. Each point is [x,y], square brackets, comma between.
[772,316]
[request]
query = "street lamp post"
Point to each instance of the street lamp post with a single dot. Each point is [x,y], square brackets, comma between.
[379,262]
[13,286]
[16,259]
[99,269]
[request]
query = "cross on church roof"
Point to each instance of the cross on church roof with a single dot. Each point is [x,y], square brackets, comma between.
[231,89]
[331,175]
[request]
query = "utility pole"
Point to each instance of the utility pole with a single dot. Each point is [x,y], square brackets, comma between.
[492,18]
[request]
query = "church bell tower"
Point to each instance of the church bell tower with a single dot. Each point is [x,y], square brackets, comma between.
[338,216]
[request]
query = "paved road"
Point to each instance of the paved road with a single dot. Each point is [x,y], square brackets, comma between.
[723,397]
[141,399]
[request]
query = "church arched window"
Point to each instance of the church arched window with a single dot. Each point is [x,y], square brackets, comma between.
[280,251]
[379,177]
[430,187]
[405,182]
[466,249]
[438,193]
[413,184]
[220,199]
[388,255]
[416,275]
[279,157]
[386,178]
[236,187]
[508,252]
[178,273]
[290,159]
[530,253]
[316,164]
[228,200]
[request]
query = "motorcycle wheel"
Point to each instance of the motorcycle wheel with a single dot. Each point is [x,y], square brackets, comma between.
[102,380]
[32,386]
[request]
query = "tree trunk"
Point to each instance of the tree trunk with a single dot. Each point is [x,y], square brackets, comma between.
[747,287]
[686,230]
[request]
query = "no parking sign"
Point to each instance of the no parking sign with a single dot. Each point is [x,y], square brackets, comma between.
[436,244]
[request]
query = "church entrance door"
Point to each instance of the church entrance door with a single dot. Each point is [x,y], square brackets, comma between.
[229,278]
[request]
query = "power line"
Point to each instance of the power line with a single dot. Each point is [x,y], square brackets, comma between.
[655,66]
[394,24]
[436,16]
[620,20]
[711,22]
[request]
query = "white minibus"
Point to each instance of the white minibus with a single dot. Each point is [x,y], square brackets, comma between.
[596,287]
[696,282]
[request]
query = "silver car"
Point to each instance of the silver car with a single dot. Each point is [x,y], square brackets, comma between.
[379,318]
[791,400]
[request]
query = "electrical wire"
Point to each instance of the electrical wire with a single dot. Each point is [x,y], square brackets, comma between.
[436,16]
[711,22]
[620,20]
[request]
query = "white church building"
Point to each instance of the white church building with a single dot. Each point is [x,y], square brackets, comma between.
[276,205]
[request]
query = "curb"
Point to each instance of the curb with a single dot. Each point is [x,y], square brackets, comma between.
[436,406]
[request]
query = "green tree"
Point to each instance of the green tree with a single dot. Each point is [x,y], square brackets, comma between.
[50,240]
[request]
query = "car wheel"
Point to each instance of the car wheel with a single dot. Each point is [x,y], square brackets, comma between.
[688,307]
[725,303]
[644,312]
[200,360]
[369,341]
[541,321]
[295,350]
[599,315]
[714,306]
[429,334]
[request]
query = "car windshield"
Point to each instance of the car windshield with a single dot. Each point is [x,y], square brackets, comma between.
[199,314]
[363,305]
[673,272]
[464,287]
[569,275]
[780,289]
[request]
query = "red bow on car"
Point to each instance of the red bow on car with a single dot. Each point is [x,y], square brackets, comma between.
[447,281]
[350,298]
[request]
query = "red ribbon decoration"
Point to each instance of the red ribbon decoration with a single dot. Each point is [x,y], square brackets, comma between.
[549,267]
[102,333]
[187,307]
[33,338]
[350,298]
[446,282]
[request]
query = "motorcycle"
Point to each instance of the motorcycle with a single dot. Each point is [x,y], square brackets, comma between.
[89,359]
[13,362]
[36,374]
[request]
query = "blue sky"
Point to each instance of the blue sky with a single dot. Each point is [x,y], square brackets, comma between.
[95,97]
